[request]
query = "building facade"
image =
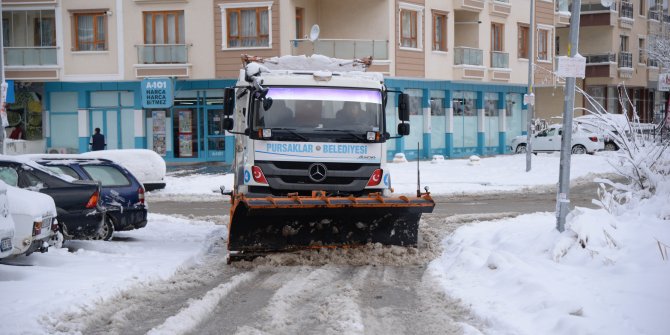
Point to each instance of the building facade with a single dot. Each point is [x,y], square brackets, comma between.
[80,64]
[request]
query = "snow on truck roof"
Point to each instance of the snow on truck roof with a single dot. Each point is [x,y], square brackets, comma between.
[315,65]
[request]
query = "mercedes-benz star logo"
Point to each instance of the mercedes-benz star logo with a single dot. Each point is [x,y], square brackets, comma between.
[317,172]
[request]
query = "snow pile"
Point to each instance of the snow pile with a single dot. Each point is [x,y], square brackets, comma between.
[72,281]
[608,273]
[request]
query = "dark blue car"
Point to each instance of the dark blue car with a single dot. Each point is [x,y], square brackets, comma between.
[122,194]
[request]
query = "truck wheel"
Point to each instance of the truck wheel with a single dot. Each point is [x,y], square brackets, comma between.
[520,149]
[578,149]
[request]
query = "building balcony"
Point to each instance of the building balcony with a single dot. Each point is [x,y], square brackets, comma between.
[499,60]
[469,63]
[468,56]
[601,65]
[162,60]
[470,5]
[31,63]
[346,49]
[653,14]
[31,56]
[652,74]
[604,58]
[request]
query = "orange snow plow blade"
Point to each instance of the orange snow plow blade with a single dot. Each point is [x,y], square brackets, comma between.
[261,225]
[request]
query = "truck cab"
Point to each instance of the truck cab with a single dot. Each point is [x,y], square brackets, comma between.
[311,129]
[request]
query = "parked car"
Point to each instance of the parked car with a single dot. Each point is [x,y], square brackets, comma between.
[6,224]
[549,140]
[603,126]
[146,165]
[35,222]
[79,213]
[121,193]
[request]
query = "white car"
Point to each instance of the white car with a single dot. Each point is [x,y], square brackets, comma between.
[35,223]
[549,140]
[6,224]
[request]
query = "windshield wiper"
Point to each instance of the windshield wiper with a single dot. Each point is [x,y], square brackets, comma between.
[292,132]
[348,132]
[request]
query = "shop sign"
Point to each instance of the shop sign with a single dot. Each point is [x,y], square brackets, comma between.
[156,93]
[664,82]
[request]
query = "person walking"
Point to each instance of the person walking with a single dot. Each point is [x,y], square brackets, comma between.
[98,141]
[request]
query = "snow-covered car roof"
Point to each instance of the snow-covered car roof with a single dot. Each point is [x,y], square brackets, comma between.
[26,202]
[146,165]
[34,165]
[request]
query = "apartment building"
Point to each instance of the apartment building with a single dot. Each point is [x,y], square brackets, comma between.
[614,41]
[90,64]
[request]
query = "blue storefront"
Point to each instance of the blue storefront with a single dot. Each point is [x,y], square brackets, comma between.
[185,129]
[181,119]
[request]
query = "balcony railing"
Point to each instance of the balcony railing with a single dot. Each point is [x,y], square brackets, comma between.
[600,58]
[342,48]
[468,56]
[653,14]
[652,62]
[626,10]
[595,7]
[626,59]
[499,60]
[30,56]
[162,53]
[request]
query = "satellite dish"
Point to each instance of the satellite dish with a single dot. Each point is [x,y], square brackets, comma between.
[314,32]
[606,3]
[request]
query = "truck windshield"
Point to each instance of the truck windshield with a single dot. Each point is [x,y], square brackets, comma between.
[310,109]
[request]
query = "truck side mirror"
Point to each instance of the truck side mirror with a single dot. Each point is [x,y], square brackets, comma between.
[228,124]
[403,107]
[403,129]
[228,101]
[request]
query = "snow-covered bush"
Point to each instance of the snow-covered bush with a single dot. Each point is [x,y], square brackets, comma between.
[634,212]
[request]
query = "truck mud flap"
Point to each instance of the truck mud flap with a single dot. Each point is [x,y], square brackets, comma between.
[277,224]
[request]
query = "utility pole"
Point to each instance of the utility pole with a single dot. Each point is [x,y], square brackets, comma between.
[531,97]
[563,196]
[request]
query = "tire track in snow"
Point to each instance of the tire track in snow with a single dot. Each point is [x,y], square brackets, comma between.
[190,317]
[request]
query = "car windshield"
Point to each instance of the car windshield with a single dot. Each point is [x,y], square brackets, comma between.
[310,109]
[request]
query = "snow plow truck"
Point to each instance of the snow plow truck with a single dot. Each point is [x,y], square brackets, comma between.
[310,158]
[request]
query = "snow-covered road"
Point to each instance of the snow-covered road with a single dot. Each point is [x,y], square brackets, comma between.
[371,290]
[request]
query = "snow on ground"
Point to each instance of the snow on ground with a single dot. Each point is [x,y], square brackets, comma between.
[519,275]
[492,174]
[47,285]
[604,275]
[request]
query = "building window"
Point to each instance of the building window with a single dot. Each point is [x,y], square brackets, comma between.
[246,25]
[497,33]
[557,45]
[299,22]
[91,32]
[641,7]
[524,33]
[641,51]
[439,31]
[29,28]
[623,43]
[408,28]
[165,27]
[542,44]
